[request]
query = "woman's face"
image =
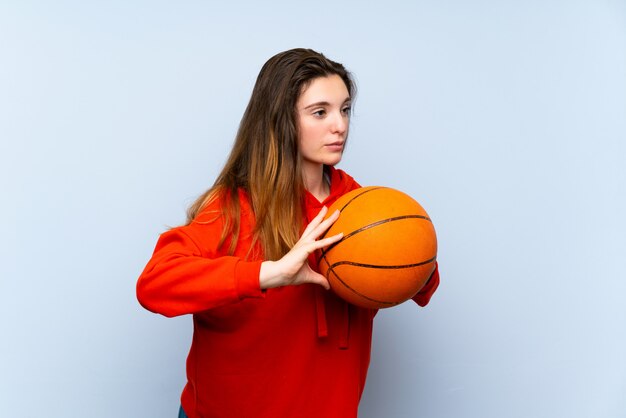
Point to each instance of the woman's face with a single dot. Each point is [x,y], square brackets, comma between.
[323,117]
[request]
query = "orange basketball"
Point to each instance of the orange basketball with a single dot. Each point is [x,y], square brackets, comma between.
[388,250]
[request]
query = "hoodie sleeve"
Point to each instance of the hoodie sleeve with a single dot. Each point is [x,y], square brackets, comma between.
[423,296]
[179,279]
[189,272]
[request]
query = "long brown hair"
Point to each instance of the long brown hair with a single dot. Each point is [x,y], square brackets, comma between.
[265,160]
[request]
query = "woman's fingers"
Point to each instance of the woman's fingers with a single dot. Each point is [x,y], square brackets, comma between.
[324,225]
[317,278]
[315,221]
[325,242]
[319,225]
[293,268]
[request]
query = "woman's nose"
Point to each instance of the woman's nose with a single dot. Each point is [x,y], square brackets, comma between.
[339,123]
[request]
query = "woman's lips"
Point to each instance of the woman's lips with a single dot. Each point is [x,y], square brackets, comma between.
[335,146]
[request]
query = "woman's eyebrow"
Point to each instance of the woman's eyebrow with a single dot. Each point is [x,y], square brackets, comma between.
[325,103]
[317,104]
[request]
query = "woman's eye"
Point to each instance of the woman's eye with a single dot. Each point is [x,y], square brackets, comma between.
[347,110]
[320,112]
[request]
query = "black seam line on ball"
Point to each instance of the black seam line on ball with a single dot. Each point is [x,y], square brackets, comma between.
[382,302]
[359,195]
[331,270]
[366,227]
[384,221]
[382,267]
[351,200]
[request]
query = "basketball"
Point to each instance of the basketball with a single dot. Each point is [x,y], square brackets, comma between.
[388,250]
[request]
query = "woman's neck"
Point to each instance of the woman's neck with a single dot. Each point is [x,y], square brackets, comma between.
[315,182]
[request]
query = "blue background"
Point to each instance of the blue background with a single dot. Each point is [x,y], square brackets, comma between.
[506,120]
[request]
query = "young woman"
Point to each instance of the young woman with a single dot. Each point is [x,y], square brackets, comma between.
[269,339]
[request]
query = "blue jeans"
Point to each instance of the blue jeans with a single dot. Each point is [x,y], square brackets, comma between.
[181,413]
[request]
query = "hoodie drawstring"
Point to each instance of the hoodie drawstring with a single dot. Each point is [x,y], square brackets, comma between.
[343,324]
[345,327]
[320,308]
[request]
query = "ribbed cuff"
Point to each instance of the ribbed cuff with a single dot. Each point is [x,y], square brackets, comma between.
[247,279]
[423,296]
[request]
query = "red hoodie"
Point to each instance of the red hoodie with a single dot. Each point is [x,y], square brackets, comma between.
[293,351]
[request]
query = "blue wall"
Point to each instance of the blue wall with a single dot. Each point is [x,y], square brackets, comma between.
[506,120]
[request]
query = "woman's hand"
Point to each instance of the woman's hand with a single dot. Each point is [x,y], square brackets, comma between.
[293,268]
